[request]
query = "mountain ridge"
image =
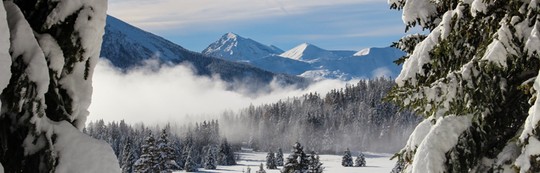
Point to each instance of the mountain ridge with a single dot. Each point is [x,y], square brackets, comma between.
[127,46]
[311,61]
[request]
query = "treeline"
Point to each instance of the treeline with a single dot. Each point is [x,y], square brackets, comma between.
[140,148]
[354,117]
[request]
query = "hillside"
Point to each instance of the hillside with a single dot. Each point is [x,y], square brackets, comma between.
[126,46]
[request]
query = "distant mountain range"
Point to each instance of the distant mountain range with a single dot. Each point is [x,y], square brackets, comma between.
[126,46]
[238,59]
[308,60]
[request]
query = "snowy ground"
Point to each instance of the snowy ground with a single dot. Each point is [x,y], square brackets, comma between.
[376,163]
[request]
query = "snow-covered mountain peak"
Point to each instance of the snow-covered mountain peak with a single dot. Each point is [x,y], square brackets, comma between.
[380,52]
[308,52]
[362,52]
[233,47]
[307,46]
[231,35]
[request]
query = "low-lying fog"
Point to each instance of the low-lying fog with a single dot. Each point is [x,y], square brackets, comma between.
[153,94]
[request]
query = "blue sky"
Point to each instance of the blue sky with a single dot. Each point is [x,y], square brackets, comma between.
[330,24]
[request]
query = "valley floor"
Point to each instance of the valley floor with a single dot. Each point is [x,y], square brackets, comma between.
[376,163]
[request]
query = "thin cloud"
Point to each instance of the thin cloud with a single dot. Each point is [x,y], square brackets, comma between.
[161,14]
[394,30]
[280,6]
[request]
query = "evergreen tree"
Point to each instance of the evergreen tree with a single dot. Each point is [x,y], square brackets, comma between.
[279,158]
[166,154]
[148,161]
[127,158]
[347,160]
[315,165]
[226,155]
[189,147]
[297,161]
[48,51]
[270,161]
[291,165]
[179,152]
[398,168]
[210,161]
[360,160]
[253,143]
[472,78]
[190,166]
[248,170]
[261,169]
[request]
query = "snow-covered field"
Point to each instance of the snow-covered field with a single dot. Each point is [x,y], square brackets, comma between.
[376,163]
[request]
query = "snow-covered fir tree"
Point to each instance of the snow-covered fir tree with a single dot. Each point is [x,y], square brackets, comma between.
[360,160]
[297,161]
[190,166]
[473,78]
[271,161]
[210,160]
[290,165]
[252,142]
[279,158]
[166,154]
[315,165]
[127,158]
[261,169]
[347,159]
[178,149]
[48,51]
[148,161]
[398,168]
[189,148]
[226,154]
